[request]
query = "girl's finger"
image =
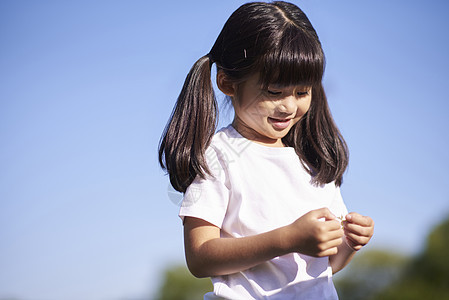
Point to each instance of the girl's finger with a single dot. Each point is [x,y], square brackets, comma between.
[335,234]
[353,244]
[333,225]
[358,230]
[359,240]
[329,248]
[359,219]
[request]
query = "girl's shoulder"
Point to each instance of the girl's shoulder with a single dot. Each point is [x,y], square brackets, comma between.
[228,138]
[227,146]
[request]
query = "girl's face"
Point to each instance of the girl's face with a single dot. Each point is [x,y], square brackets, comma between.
[265,116]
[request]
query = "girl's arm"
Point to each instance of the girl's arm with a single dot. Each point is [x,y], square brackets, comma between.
[358,231]
[208,254]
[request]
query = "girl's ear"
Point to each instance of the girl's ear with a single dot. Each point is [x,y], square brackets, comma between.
[225,85]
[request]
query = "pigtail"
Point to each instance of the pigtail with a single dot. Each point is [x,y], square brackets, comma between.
[190,128]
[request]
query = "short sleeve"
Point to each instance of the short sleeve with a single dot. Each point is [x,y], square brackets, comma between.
[207,198]
[338,207]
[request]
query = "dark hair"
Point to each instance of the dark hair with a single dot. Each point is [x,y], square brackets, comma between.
[277,41]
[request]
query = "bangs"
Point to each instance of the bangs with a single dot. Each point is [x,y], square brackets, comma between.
[294,58]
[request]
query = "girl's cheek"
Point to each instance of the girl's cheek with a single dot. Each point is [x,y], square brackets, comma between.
[263,108]
[303,109]
[257,110]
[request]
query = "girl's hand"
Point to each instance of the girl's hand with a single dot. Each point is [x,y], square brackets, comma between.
[358,230]
[317,233]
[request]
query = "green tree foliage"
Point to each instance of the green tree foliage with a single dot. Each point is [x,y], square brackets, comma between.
[179,284]
[381,275]
[369,272]
[427,276]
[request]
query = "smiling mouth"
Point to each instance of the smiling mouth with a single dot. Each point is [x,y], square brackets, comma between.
[279,123]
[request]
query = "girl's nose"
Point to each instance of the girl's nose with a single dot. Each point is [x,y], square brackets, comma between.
[287,105]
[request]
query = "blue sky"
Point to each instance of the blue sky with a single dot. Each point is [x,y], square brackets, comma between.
[87,88]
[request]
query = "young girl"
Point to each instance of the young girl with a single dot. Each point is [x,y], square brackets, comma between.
[261,196]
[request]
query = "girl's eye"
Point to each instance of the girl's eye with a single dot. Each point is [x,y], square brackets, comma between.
[303,93]
[273,92]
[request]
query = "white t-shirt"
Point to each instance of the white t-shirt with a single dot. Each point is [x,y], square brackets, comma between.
[255,189]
